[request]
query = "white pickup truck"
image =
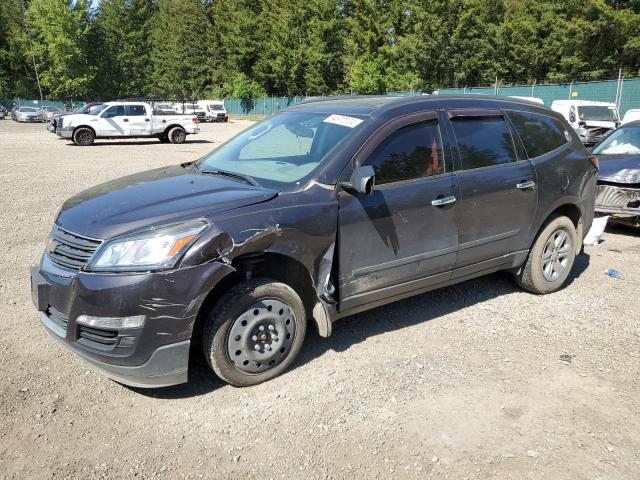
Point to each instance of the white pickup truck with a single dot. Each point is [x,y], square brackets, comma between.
[126,120]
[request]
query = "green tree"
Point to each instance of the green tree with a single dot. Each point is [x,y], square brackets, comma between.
[59,32]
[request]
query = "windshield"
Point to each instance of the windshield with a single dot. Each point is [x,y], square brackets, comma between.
[27,109]
[625,140]
[216,106]
[282,150]
[98,109]
[598,113]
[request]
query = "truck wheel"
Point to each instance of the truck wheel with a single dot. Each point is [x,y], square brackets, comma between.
[177,135]
[551,258]
[164,139]
[83,137]
[254,332]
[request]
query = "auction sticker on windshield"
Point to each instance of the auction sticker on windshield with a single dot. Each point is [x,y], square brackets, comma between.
[343,120]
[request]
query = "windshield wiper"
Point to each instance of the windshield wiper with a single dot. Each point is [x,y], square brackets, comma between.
[237,176]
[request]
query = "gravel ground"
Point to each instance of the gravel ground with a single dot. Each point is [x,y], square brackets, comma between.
[464,382]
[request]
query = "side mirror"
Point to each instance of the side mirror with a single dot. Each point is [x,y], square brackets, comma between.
[363,179]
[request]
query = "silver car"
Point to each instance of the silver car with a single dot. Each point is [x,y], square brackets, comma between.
[49,112]
[28,114]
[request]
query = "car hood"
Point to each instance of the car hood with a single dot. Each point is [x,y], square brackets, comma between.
[154,197]
[619,168]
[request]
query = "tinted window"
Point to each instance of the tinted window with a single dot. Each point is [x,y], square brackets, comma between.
[136,111]
[412,152]
[483,141]
[540,134]
[115,111]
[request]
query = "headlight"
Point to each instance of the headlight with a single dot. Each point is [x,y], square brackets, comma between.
[152,249]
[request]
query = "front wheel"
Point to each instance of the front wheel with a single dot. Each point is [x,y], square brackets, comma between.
[83,137]
[551,258]
[254,332]
[177,135]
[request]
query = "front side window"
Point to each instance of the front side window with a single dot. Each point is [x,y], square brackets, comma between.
[115,111]
[136,111]
[625,140]
[282,150]
[411,152]
[483,141]
[539,134]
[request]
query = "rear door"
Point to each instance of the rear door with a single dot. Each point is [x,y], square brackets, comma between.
[113,122]
[404,235]
[498,196]
[139,119]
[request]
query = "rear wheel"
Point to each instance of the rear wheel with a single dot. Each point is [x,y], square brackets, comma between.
[551,258]
[254,332]
[83,137]
[177,135]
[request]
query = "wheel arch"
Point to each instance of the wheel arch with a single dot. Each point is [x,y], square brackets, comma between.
[75,129]
[566,208]
[173,125]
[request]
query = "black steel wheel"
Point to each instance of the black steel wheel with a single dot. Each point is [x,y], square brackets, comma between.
[83,137]
[177,135]
[254,332]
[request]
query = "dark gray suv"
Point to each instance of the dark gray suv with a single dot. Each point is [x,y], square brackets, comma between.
[332,207]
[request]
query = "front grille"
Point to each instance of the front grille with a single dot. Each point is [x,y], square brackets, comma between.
[102,337]
[69,250]
[620,197]
[57,317]
[221,114]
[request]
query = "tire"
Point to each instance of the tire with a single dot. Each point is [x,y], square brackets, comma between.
[254,332]
[177,135]
[83,137]
[551,258]
[163,139]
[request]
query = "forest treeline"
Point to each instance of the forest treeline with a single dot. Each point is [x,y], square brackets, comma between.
[251,48]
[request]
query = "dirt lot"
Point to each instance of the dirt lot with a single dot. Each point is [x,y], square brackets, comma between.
[464,382]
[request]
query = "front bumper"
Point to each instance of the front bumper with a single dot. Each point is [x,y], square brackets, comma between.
[152,356]
[64,132]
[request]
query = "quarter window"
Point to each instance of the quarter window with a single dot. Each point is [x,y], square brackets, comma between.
[411,152]
[483,141]
[539,134]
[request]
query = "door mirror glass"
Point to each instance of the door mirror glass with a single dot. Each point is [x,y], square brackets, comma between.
[572,115]
[363,179]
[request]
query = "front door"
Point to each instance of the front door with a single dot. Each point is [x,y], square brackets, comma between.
[404,235]
[113,122]
[139,120]
[498,195]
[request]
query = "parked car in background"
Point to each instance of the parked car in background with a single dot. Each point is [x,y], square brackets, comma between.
[215,111]
[3,112]
[164,108]
[618,192]
[592,120]
[329,208]
[191,109]
[126,120]
[86,108]
[631,115]
[48,112]
[28,115]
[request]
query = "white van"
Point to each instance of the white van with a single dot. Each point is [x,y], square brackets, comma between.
[631,116]
[191,108]
[592,120]
[215,110]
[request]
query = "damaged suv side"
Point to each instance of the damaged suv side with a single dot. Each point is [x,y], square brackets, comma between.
[330,208]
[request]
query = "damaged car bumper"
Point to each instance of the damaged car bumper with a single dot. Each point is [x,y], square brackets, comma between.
[152,353]
[619,200]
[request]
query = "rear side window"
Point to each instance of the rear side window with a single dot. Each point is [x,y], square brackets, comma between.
[483,141]
[136,111]
[540,134]
[411,152]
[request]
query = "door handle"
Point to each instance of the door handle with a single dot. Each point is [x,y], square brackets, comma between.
[442,201]
[526,185]
[147,120]
[125,119]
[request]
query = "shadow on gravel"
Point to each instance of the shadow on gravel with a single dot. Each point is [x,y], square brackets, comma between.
[359,327]
[155,141]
